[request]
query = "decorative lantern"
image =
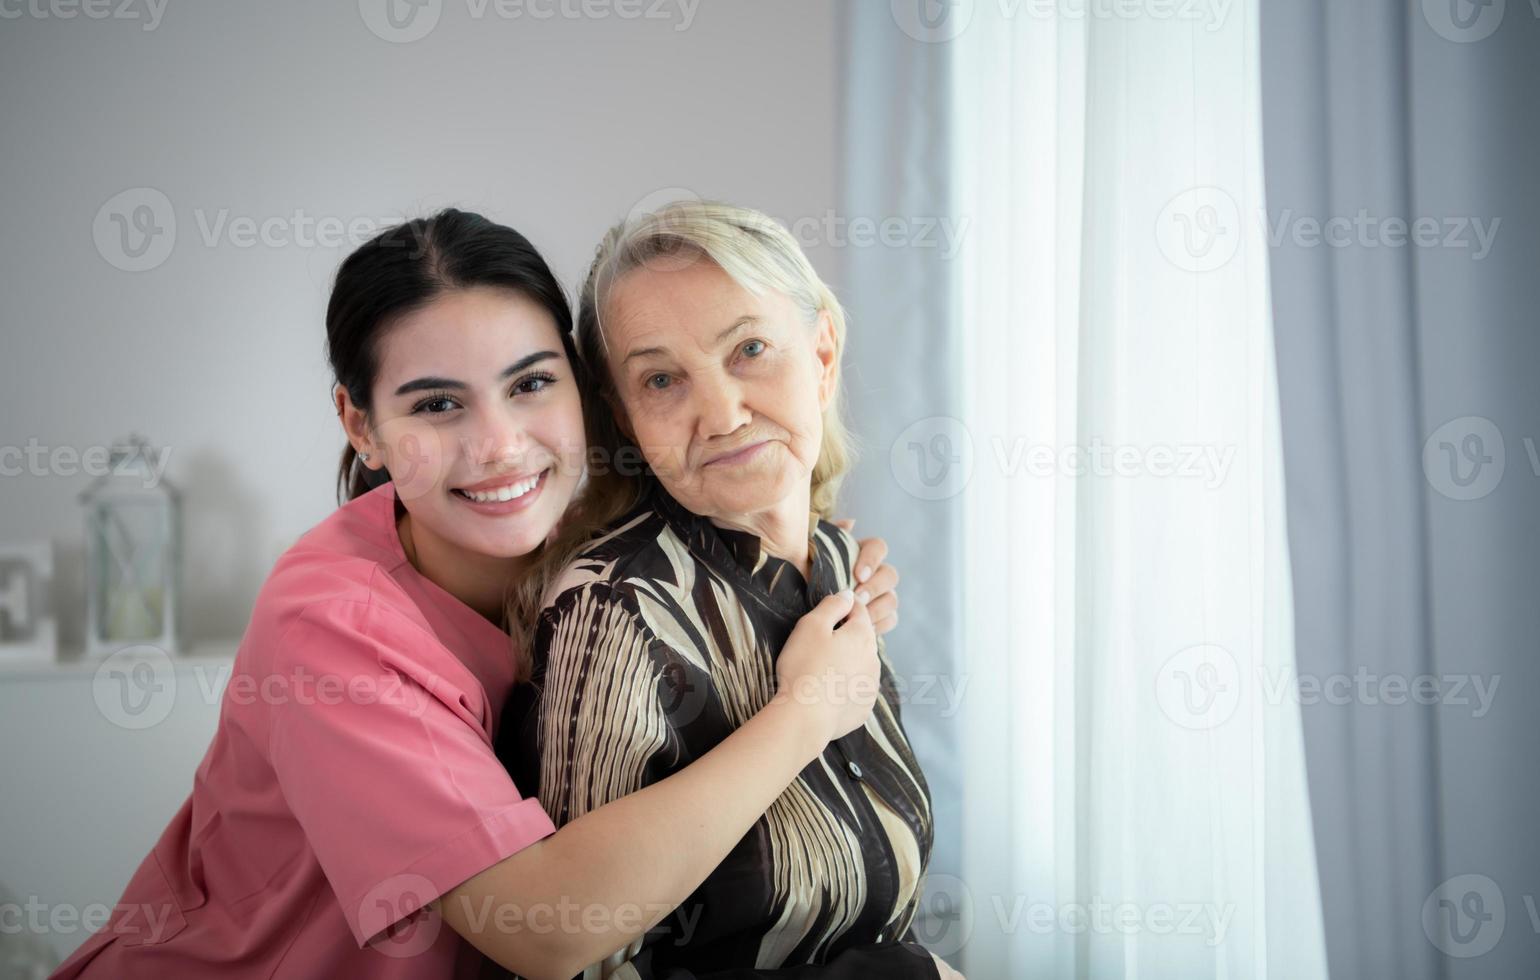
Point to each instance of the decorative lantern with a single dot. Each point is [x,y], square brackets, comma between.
[133,554]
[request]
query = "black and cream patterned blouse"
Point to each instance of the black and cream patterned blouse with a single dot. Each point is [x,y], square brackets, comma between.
[661,640]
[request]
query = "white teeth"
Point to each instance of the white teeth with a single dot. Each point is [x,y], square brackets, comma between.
[503,493]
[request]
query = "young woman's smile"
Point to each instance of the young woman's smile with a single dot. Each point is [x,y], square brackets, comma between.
[503,495]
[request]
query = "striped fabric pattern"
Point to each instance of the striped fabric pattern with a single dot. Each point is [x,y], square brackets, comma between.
[659,641]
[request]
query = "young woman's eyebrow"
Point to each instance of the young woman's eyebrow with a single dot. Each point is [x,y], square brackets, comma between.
[427,384]
[526,361]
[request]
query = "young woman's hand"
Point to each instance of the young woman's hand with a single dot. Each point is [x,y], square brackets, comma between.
[877,579]
[829,666]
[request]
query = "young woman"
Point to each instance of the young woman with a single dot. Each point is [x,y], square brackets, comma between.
[350,804]
[714,350]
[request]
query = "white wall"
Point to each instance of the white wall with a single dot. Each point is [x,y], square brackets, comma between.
[556,126]
[88,790]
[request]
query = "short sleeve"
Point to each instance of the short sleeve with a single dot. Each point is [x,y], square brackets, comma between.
[602,719]
[390,775]
[608,708]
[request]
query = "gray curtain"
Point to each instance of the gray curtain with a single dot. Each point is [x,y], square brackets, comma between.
[901,369]
[1390,360]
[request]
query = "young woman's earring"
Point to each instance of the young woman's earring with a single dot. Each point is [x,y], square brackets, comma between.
[363,457]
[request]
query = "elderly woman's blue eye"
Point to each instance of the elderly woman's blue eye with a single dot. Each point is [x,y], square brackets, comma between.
[657,381]
[754,348]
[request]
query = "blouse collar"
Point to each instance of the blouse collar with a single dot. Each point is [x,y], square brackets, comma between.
[740,556]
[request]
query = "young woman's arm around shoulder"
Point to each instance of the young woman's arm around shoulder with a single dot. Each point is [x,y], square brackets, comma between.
[648,851]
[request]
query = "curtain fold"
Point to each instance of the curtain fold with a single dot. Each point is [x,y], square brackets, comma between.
[1091,421]
[1335,87]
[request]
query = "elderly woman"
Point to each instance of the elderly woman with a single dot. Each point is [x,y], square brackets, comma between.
[714,350]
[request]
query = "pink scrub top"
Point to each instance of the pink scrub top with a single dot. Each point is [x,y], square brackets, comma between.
[350,781]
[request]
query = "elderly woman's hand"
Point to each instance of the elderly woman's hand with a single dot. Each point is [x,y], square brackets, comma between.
[877,579]
[829,665]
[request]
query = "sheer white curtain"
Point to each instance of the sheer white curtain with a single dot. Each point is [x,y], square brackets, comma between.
[1125,565]
[1133,798]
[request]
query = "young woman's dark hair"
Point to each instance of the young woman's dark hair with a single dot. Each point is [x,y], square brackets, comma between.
[403,269]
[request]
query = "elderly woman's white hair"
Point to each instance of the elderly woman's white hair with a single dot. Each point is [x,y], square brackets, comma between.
[758,254]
